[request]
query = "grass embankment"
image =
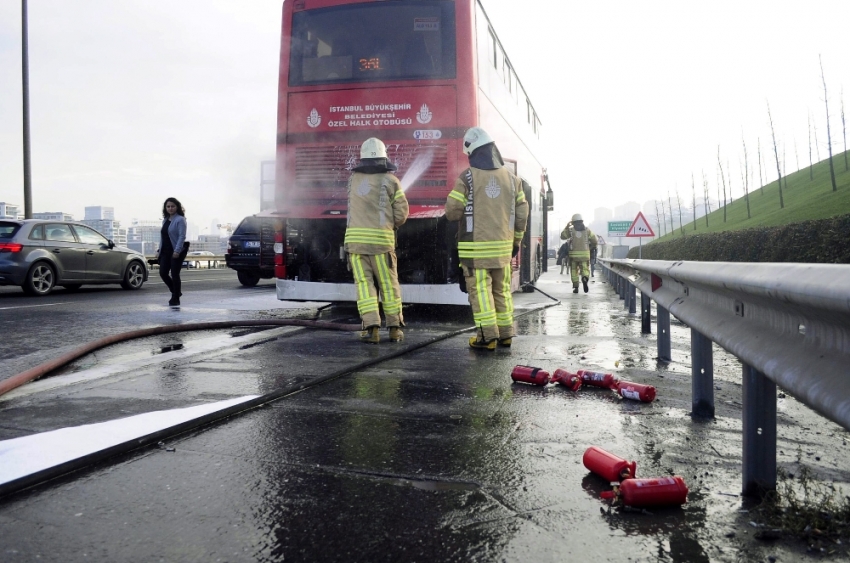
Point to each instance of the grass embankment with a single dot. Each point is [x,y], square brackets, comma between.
[813,225]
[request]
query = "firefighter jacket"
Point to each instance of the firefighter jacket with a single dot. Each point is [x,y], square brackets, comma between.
[581,242]
[376,207]
[493,214]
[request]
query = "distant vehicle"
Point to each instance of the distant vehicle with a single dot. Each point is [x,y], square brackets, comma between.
[250,250]
[190,263]
[39,255]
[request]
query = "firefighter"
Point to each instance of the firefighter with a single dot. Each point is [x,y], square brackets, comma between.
[489,202]
[563,260]
[377,206]
[582,244]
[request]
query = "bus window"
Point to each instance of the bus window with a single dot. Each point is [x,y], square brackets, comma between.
[373,42]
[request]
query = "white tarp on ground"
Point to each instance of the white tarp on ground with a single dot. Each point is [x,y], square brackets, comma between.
[20,457]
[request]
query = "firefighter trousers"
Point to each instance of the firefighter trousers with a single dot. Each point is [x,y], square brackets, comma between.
[579,268]
[371,271]
[491,301]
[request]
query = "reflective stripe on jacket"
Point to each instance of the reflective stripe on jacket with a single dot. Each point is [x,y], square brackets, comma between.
[376,207]
[493,221]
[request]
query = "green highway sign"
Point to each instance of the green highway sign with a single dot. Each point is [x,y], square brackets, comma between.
[618,228]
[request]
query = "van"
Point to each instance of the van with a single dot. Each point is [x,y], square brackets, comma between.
[250,250]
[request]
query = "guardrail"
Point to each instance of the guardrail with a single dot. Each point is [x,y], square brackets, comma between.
[210,261]
[788,324]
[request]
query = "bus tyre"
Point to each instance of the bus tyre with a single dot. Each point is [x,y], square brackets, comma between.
[40,280]
[248,278]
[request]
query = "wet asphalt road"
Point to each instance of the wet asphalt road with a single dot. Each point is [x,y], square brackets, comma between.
[431,456]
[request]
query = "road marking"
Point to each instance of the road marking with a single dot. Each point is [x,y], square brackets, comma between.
[26,306]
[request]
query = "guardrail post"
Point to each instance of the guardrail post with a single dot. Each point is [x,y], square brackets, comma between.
[759,464]
[621,284]
[632,298]
[702,376]
[645,314]
[663,322]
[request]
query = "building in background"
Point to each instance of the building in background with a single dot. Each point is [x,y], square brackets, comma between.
[10,211]
[102,219]
[53,216]
[143,235]
[211,243]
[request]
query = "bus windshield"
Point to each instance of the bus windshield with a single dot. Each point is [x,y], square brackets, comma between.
[377,41]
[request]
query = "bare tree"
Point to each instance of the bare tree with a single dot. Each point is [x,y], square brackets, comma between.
[658,217]
[663,216]
[761,177]
[817,146]
[811,164]
[828,135]
[723,178]
[694,194]
[796,154]
[670,207]
[776,154]
[844,129]
[729,176]
[679,204]
[705,198]
[746,176]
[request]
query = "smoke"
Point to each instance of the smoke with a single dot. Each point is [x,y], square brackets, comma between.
[419,166]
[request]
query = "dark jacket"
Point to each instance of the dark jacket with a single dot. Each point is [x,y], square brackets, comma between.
[562,252]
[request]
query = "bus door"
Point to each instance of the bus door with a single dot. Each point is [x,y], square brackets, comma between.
[528,249]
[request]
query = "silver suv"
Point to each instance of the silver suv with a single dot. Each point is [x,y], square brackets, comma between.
[39,255]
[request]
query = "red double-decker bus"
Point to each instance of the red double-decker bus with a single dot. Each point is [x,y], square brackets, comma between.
[416,74]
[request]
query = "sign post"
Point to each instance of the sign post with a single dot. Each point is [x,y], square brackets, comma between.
[618,229]
[640,228]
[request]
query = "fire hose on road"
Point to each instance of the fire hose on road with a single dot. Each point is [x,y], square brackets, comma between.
[38,371]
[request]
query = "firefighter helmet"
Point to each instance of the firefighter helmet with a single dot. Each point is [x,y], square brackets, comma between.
[474,138]
[577,217]
[373,148]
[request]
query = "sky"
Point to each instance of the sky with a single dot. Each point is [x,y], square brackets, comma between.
[133,102]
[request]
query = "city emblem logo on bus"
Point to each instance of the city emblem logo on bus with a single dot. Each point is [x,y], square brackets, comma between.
[492,190]
[314,119]
[424,114]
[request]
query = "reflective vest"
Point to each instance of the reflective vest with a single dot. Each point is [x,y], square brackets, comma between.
[493,214]
[376,207]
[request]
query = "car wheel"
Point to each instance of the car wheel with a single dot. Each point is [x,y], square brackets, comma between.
[40,279]
[134,277]
[248,278]
[72,286]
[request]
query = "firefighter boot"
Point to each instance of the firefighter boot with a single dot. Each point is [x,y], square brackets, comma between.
[396,334]
[584,283]
[371,335]
[506,342]
[480,344]
[575,287]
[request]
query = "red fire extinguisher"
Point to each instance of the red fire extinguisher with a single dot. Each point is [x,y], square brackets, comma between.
[607,465]
[661,491]
[598,379]
[528,374]
[571,381]
[636,391]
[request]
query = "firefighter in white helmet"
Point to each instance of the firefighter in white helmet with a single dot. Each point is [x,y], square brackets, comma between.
[490,205]
[582,242]
[377,206]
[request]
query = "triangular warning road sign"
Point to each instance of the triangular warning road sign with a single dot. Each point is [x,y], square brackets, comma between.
[640,227]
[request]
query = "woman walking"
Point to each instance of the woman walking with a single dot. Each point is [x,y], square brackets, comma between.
[173,235]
